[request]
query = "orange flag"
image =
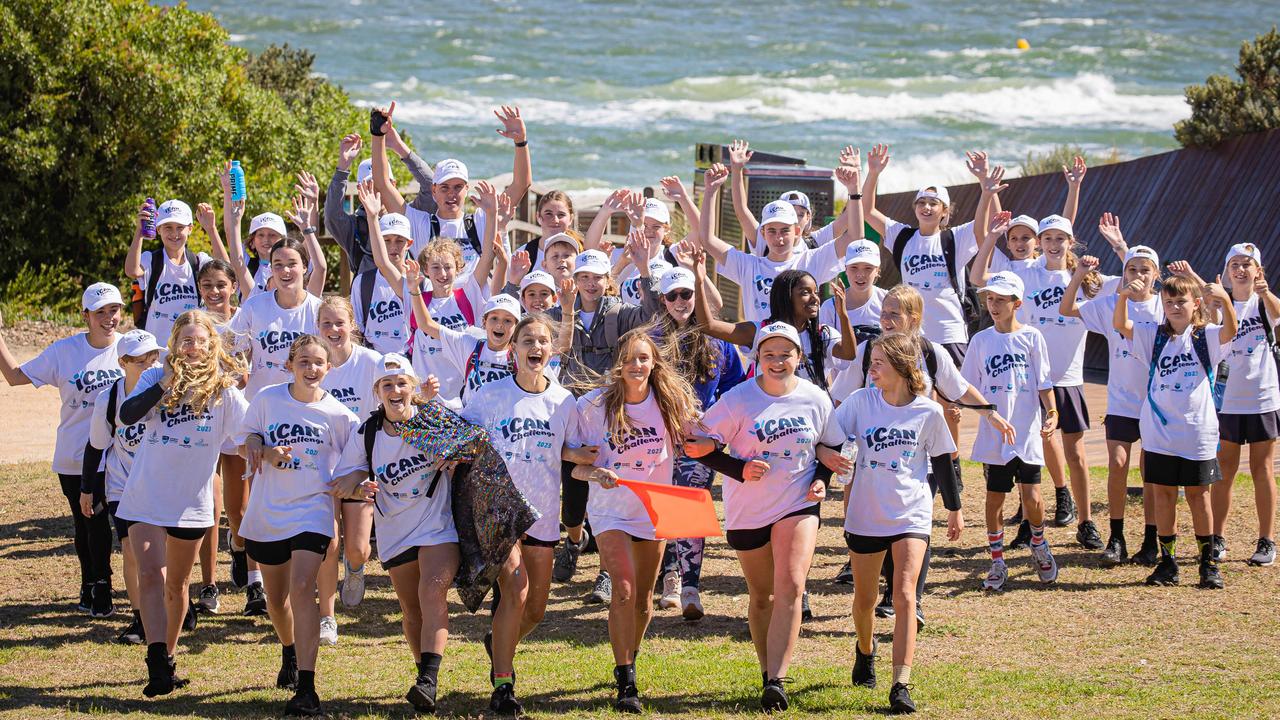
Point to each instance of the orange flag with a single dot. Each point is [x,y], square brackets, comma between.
[676,512]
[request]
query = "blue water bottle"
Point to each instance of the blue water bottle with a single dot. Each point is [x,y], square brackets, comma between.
[237,181]
[149,225]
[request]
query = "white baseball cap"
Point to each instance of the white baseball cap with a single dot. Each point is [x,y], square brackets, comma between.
[99,295]
[270,221]
[658,267]
[776,329]
[173,211]
[448,170]
[502,302]
[862,251]
[1004,282]
[796,198]
[676,279]
[1248,250]
[538,277]
[1028,222]
[364,171]
[779,211]
[395,365]
[395,224]
[937,192]
[655,209]
[136,343]
[1055,222]
[561,238]
[1142,252]
[592,261]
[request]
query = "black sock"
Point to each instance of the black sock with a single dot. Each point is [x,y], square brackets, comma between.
[429,665]
[157,650]
[1149,535]
[1203,542]
[1117,528]
[287,652]
[306,681]
[1167,543]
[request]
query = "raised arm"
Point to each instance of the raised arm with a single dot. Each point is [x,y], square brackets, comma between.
[133,259]
[1074,176]
[848,347]
[426,323]
[209,223]
[743,333]
[739,155]
[979,271]
[1068,306]
[501,254]
[877,161]
[1109,228]
[1120,318]
[616,202]
[713,178]
[232,220]
[392,200]
[568,315]
[1266,297]
[851,177]
[514,130]
[487,201]
[685,259]
[339,224]
[305,215]
[675,190]
[371,201]
[1216,295]
[989,201]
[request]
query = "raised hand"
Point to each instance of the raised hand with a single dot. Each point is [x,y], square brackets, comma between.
[1216,293]
[487,198]
[1137,287]
[638,249]
[412,273]
[1109,228]
[1181,267]
[518,267]
[992,182]
[713,177]
[878,158]
[1075,173]
[837,292]
[849,155]
[977,164]
[506,212]
[229,207]
[429,388]
[205,216]
[302,209]
[635,209]
[371,199]
[617,200]
[673,188]
[699,257]
[349,149]
[512,124]
[999,224]
[307,186]
[568,290]
[386,113]
[1260,282]
[684,255]
[1087,264]
[850,176]
[739,154]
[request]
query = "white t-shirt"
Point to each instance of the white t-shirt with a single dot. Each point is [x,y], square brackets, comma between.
[1126,377]
[530,431]
[405,515]
[420,226]
[645,455]
[119,446]
[171,481]
[784,431]
[1009,369]
[386,325]
[271,329]
[868,314]
[176,292]
[1001,262]
[457,347]
[293,498]
[1065,335]
[1181,390]
[351,383]
[754,274]
[951,383]
[924,268]
[824,235]
[890,488]
[80,371]
[1252,385]
[428,352]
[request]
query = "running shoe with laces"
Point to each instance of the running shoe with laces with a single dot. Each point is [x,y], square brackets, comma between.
[773,697]
[628,700]
[1023,538]
[670,590]
[207,601]
[919,614]
[1265,555]
[86,598]
[102,605]
[304,703]
[864,666]
[159,672]
[352,585]
[503,700]
[1087,536]
[996,577]
[806,613]
[691,603]
[565,564]
[328,630]
[845,576]
[601,591]
[1166,572]
[1117,551]
[1210,575]
[422,696]
[1046,564]
[1064,512]
[900,702]
[287,677]
[255,600]
[189,622]
[134,634]
[1016,518]
[1148,554]
[239,567]
[1219,546]
[884,608]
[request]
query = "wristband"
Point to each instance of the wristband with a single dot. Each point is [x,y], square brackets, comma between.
[309,230]
[988,406]
[856,197]
[522,143]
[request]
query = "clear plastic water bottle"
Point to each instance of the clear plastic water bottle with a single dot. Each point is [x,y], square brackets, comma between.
[848,450]
[237,181]
[149,225]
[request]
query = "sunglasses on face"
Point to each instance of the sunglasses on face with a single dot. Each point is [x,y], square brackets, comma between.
[675,295]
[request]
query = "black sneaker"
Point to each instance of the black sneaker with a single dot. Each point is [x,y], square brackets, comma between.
[1166,573]
[189,622]
[919,615]
[1088,537]
[884,608]
[806,614]
[134,634]
[102,606]
[601,591]
[304,704]
[628,700]
[422,696]
[1219,546]
[900,702]
[1023,539]
[1064,512]
[773,697]
[845,576]
[1117,551]
[159,673]
[255,600]
[1148,555]
[86,598]
[1210,576]
[287,678]
[1016,518]
[565,565]
[503,700]
[239,568]
[864,666]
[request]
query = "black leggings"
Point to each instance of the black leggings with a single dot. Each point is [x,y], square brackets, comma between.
[92,535]
[573,503]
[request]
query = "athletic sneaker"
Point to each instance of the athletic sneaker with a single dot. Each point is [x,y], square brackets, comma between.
[900,702]
[602,591]
[864,666]
[160,672]
[1219,548]
[239,567]
[1117,551]
[255,600]
[670,590]
[692,603]
[503,700]
[884,608]
[919,615]
[189,622]
[806,614]
[1045,563]
[208,599]
[328,630]
[1148,554]
[1265,555]
[1016,518]
[566,558]
[1088,537]
[1166,573]
[102,606]
[1210,576]
[1023,538]
[422,696]
[352,585]
[628,700]
[287,678]
[304,704]
[134,634]
[996,577]
[86,598]
[1064,512]
[773,697]
[845,576]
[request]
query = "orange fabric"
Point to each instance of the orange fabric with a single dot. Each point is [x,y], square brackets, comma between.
[677,512]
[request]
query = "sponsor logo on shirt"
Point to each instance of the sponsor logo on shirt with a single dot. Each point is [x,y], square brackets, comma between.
[384,310]
[880,438]
[167,292]
[486,372]
[917,264]
[131,435]
[773,429]
[91,381]
[184,414]
[1170,364]
[292,433]
[1048,297]
[454,321]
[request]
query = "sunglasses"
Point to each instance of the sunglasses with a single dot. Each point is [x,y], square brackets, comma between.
[675,295]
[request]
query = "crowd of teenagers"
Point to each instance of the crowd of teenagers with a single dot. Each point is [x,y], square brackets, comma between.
[248,391]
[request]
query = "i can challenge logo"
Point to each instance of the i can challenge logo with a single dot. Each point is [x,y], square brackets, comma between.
[91,381]
[273,341]
[774,429]
[384,310]
[917,264]
[168,292]
[1049,297]
[515,429]
[881,438]
[998,365]
[393,472]
[1170,364]
[185,415]
[638,437]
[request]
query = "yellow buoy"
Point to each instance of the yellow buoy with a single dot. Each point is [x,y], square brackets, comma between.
[1023,44]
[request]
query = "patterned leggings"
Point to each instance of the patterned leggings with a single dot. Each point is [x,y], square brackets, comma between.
[685,555]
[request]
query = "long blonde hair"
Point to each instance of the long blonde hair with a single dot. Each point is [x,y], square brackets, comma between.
[199,384]
[903,353]
[674,395]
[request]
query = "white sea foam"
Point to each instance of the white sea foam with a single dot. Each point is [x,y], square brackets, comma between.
[1083,22]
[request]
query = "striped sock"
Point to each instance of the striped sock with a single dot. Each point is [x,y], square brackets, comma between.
[995,542]
[1037,534]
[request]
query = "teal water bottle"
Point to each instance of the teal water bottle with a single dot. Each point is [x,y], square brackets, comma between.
[237,182]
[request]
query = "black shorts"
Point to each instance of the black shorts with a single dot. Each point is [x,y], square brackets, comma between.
[278,552]
[1121,429]
[1002,478]
[404,558]
[535,542]
[1073,413]
[756,538]
[1174,471]
[957,351]
[182,533]
[122,525]
[1252,428]
[871,544]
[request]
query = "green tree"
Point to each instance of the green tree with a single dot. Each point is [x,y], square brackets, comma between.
[1223,108]
[106,102]
[1061,156]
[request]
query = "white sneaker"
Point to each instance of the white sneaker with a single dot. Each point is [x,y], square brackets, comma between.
[328,630]
[691,603]
[670,591]
[996,576]
[352,585]
[1046,565]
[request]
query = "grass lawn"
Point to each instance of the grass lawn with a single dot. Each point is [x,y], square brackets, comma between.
[1098,644]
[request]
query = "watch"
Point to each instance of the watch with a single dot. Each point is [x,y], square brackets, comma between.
[522,143]
[309,230]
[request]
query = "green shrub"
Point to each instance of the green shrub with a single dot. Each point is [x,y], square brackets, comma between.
[1062,155]
[1223,108]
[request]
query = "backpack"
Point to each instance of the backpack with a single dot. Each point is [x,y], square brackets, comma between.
[969,306]
[112,394]
[468,224]
[153,279]
[1201,345]
[930,365]
[473,364]
[369,431]
[368,279]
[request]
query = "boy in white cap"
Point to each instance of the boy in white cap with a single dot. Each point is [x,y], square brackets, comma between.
[167,275]
[1009,364]
[555,258]
[862,298]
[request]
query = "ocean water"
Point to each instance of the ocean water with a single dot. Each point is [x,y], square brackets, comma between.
[617,93]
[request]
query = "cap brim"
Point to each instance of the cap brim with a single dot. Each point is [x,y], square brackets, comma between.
[451,176]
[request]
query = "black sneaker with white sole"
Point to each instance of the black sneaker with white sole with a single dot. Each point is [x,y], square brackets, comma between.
[102,606]
[900,702]
[1087,536]
[864,666]
[1064,512]
[1264,555]
[255,600]
[1117,551]
[239,568]
[207,601]
[134,634]
[1219,545]
[845,576]
[884,608]
[86,598]
[1166,572]
[628,699]
[565,562]
[1210,575]
[806,613]
[189,622]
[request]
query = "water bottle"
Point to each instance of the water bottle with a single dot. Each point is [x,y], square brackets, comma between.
[848,450]
[1220,384]
[237,181]
[149,225]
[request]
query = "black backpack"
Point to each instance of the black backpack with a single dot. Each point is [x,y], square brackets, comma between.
[969,307]
[369,430]
[153,279]
[468,224]
[930,365]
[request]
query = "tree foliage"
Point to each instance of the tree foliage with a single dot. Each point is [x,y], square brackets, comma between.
[1061,156]
[106,102]
[1223,108]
